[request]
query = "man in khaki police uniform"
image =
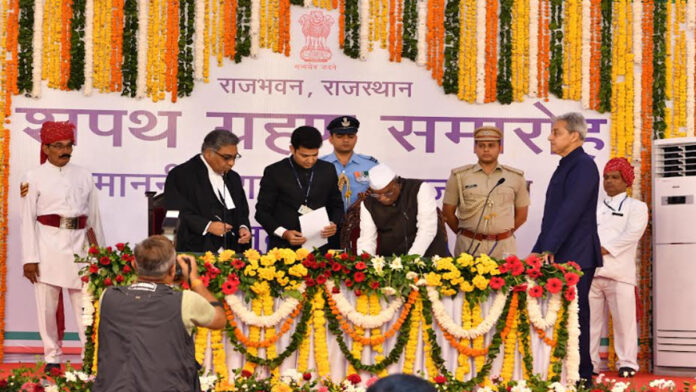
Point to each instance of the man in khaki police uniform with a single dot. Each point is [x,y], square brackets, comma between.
[486,229]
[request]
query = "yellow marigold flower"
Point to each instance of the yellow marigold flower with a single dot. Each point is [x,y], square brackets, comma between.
[433,279]
[455,282]
[481,269]
[267,260]
[281,387]
[283,281]
[288,256]
[444,264]
[465,260]
[260,287]
[279,274]
[209,257]
[267,273]
[252,254]
[250,270]
[225,255]
[472,269]
[301,253]
[298,270]
[275,253]
[448,292]
[466,287]
[453,274]
[293,285]
[480,282]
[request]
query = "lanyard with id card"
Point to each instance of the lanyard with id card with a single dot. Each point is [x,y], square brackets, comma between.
[303,208]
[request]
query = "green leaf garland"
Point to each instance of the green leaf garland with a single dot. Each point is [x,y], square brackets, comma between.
[77,45]
[25,46]
[524,327]
[605,59]
[450,78]
[185,58]
[504,79]
[88,350]
[559,351]
[129,67]
[556,48]
[659,77]
[351,29]
[243,41]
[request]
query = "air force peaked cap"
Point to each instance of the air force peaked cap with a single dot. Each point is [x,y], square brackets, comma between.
[344,125]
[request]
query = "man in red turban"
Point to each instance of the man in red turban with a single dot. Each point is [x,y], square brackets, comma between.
[621,221]
[58,207]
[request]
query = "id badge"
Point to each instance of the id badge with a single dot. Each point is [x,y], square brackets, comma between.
[304,210]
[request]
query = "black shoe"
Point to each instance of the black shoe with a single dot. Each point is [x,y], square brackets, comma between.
[626,372]
[52,368]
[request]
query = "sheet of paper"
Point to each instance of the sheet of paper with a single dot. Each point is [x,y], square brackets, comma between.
[311,225]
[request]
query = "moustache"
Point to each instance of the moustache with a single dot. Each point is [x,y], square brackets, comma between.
[65,156]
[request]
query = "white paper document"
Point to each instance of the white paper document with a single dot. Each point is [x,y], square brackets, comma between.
[311,225]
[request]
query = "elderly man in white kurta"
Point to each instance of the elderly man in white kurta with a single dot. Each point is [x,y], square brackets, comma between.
[621,221]
[59,205]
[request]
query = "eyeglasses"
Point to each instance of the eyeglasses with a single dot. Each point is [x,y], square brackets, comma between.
[60,146]
[387,195]
[227,157]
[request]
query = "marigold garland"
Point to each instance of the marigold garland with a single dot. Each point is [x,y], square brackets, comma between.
[269,340]
[4,174]
[95,338]
[544,43]
[555,359]
[219,359]
[201,343]
[520,49]
[660,79]
[595,53]
[463,359]
[362,306]
[491,50]
[254,334]
[321,351]
[413,335]
[572,40]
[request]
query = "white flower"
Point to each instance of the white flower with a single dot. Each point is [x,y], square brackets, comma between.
[557,387]
[396,264]
[378,264]
[419,262]
[411,275]
[70,377]
[52,388]
[435,259]
[388,291]
[291,375]
[620,386]
[208,382]
[520,387]
[485,389]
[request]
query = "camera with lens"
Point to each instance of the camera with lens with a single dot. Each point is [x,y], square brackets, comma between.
[178,275]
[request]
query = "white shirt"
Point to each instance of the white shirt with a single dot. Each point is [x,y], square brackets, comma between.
[426,224]
[69,192]
[218,184]
[621,221]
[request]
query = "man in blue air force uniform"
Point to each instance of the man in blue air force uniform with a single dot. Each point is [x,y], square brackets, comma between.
[351,167]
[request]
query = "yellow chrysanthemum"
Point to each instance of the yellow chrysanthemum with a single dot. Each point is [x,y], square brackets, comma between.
[433,279]
[208,257]
[466,286]
[455,282]
[250,271]
[444,264]
[283,281]
[298,270]
[465,260]
[267,273]
[226,255]
[268,260]
[252,254]
[260,287]
[293,285]
[480,282]
[301,254]
[275,253]
[448,292]
[279,274]
[453,274]
[281,387]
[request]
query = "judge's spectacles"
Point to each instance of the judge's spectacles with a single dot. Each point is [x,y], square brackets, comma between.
[228,157]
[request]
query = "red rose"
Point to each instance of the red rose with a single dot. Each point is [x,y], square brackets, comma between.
[55,371]
[120,246]
[328,256]
[358,292]
[520,287]
[335,267]
[354,379]
[3,383]
[359,277]
[126,269]
[310,257]
[119,278]
[554,285]
[93,268]
[344,256]
[327,273]
[104,260]
[497,282]
[440,379]
[108,249]
[307,376]
[534,273]
[229,287]
[107,282]
[360,265]
[246,373]
[321,279]
[345,269]
[349,283]
[571,278]
[365,256]
[374,285]
[322,265]
[570,293]
[335,290]
[310,282]
[93,250]
[306,263]
[517,269]
[85,278]
[238,264]
[536,292]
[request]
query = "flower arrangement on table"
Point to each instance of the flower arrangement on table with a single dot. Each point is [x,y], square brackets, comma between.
[395,297]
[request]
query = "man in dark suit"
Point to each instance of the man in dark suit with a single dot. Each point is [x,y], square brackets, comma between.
[212,205]
[296,185]
[569,225]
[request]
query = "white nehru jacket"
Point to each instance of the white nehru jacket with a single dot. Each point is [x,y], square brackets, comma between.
[67,191]
[621,221]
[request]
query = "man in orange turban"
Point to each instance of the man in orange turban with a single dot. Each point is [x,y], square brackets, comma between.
[58,206]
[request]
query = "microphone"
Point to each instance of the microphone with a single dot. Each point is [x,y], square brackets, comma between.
[500,182]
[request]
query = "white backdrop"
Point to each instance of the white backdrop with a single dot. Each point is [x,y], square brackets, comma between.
[130,144]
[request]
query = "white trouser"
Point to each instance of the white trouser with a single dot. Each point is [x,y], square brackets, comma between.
[46,305]
[620,298]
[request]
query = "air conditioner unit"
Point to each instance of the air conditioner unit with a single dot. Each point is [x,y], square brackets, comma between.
[674,257]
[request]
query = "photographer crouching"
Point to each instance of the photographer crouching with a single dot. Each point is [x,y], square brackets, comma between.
[145,341]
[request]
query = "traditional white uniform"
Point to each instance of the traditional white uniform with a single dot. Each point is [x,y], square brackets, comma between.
[67,191]
[621,221]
